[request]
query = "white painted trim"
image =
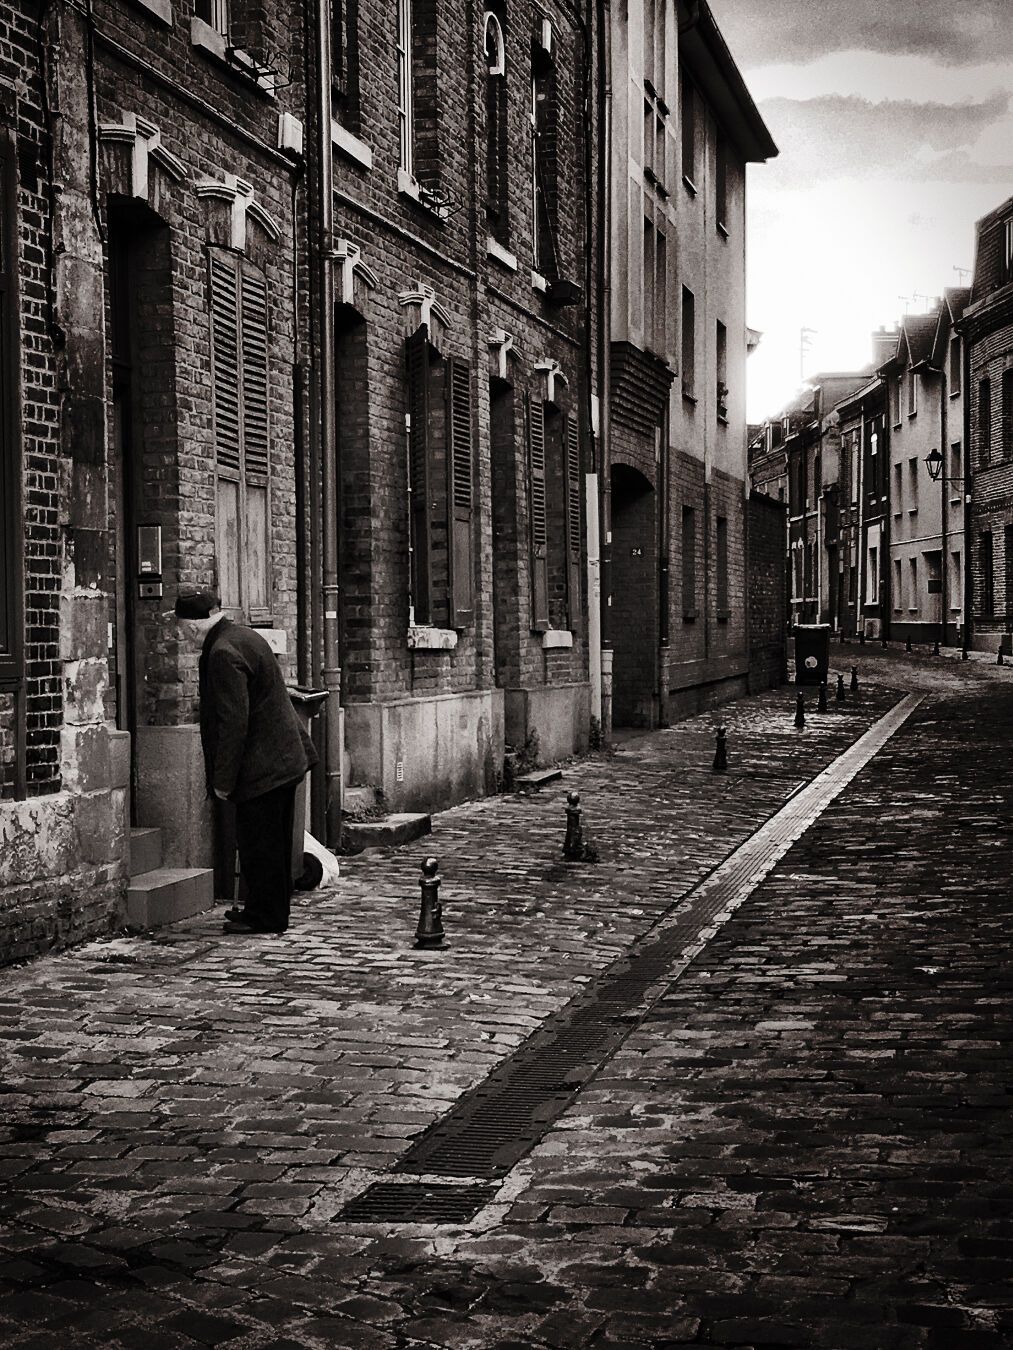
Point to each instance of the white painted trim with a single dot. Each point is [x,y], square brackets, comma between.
[496,250]
[354,149]
[557,639]
[538,282]
[423,637]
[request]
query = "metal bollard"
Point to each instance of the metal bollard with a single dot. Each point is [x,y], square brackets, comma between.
[573,844]
[800,711]
[963,654]
[999,660]
[843,639]
[935,647]
[821,705]
[429,933]
[721,752]
[854,679]
[883,642]
[861,638]
[840,689]
[907,645]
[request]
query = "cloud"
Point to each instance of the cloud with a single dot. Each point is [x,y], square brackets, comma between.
[835,136]
[762,31]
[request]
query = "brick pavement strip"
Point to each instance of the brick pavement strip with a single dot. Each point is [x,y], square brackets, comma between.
[805,1143]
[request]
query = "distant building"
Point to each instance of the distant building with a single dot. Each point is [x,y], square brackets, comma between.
[863,518]
[987,328]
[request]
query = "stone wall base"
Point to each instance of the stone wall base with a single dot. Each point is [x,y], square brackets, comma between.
[560,714]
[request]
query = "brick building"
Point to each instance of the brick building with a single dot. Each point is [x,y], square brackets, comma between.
[683,129]
[464,358]
[161,326]
[987,328]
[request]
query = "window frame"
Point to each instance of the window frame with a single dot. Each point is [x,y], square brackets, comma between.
[12,652]
[406,88]
[497,178]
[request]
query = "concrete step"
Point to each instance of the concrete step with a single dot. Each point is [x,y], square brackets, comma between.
[145,849]
[399,828]
[167,894]
[538,778]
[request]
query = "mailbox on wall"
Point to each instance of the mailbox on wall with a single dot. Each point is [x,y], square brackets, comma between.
[149,561]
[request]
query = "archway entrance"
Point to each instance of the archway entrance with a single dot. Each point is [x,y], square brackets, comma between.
[634,618]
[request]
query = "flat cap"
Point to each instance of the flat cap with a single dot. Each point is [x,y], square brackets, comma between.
[193,602]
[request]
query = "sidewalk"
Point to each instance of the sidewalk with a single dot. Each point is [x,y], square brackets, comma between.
[184,1115]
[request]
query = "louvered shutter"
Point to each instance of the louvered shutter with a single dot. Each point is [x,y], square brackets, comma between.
[460,493]
[420,516]
[225,368]
[256,443]
[573,516]
[539,525]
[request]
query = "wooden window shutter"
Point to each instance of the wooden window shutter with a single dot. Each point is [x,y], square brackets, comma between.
[225,362]
[460,493]
[420,516]
[539,524]
[256,442]
[573,521]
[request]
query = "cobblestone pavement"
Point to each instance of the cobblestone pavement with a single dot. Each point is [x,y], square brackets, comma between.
[805,1141]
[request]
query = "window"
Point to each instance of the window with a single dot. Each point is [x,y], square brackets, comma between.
[660,292]
[215,14]
[721,183]
[956,581]
[954,371]
[11,547]
[688,343]
[544,159]
[240,366]
[1007,413]
[912,600]
[898,489]
[647,284]
[1007,250]
[721,361]
[418,107]
[555,515]
[987,577]
[872,576]
[496,153]
[687,117]
[984,423]
[894,385]
[345,62]
[854,467]
[721,542]
[1007,545]
[956,467]
[912,393]
[441,485]
[898,585]
[912,478]
[688,562]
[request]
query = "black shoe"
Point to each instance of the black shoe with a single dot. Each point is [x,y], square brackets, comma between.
[234,912]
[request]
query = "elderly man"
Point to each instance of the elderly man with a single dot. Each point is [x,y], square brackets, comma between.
[255,753]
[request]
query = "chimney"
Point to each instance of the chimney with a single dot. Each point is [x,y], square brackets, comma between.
[884,344]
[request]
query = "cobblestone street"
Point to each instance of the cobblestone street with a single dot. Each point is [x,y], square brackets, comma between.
[798,1135]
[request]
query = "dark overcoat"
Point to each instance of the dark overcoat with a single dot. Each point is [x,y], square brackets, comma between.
[252,738]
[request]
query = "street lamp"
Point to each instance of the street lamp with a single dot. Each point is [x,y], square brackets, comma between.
[934,464]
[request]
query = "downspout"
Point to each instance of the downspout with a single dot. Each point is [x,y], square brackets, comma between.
[601,668]
[965,365]
[330,664]
[944,570]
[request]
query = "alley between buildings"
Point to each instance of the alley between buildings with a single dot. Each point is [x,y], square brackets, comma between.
[798,1137]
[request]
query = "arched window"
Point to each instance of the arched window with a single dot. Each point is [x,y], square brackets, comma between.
[496,127]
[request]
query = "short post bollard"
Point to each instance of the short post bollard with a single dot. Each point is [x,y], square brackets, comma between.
[963,654]
[935,647]
[843,639]
[883,642]
[821,705]
[721,751]
[854,679]
[573,844]
[429,933]
[861,638]
[800,711]
[907,645]
[999,660]
[840,689]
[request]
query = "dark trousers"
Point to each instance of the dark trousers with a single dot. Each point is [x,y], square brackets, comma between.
[264,842]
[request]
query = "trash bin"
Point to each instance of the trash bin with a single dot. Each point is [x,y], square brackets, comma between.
[306,870]
[812,652]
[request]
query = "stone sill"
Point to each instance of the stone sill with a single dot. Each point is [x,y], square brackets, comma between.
[556,639]
[236,61]
[424,637]
[350,146]
[538,282]
[502,255]
[158,9]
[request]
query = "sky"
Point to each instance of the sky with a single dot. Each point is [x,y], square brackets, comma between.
[894,121]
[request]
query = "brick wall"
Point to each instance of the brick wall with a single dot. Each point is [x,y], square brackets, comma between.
[990,353]
[767,595]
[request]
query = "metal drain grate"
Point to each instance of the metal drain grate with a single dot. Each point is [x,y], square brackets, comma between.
[495,1124]
[407,1202]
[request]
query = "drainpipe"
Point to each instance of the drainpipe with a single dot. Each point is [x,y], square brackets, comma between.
[965,365]
[601,664]
[330,665]
[944,552]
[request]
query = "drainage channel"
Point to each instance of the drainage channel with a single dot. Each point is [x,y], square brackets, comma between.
[496,1123]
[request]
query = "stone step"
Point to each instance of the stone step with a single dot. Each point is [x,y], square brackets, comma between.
[358,799]
[167,894]
[145,849]
[538,778]
[398,828]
